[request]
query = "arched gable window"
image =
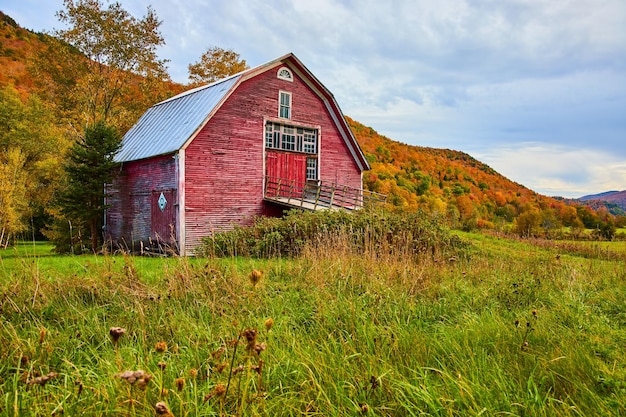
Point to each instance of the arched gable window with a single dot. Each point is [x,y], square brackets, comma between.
[285,74]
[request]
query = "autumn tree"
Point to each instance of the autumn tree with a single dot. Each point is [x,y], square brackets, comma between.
[31,147]
[13,190]
[215,63]
[528,223]
[104,66]
[89,167]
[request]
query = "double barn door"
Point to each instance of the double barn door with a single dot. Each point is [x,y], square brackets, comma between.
[287,166]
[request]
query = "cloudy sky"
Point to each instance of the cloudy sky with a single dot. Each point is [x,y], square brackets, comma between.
[534,88]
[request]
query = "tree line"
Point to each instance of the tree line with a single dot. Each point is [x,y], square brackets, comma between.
[59,131]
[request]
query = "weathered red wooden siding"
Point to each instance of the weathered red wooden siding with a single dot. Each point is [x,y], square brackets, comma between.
[163,220]
[224,163]
[130,217]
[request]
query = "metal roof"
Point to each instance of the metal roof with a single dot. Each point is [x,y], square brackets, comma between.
[165,127]
[168,125]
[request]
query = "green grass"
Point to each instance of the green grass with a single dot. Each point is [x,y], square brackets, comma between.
[504,327]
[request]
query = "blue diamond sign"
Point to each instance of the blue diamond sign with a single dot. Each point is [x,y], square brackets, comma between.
[162,202]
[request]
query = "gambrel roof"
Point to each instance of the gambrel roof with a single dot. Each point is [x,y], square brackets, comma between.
[169,125]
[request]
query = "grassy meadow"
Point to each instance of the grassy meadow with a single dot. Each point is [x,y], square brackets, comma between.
[495,326]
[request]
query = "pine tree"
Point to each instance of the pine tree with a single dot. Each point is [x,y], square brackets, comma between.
[90,166]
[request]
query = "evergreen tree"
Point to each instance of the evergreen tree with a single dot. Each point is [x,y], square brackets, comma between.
[89,167]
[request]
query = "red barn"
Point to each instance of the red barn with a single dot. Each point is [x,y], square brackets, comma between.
[252,144]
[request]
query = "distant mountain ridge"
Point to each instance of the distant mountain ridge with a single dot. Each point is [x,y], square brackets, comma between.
[617,198]
[606,196]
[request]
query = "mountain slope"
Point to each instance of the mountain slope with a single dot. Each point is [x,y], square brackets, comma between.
[451,183]
[441,181]
[17,47]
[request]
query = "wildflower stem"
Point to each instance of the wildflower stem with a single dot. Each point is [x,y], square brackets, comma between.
[232,363]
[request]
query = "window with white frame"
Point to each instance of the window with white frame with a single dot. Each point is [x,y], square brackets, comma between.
[285,74]
[284,106]
[311,168]
[269,135]
[290,138]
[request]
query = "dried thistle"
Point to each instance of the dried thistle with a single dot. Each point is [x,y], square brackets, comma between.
[250,335]
[42,335]
[219,368]
[238,369]
[140,377]
[180,383]
[43,380]
[160,347]
[116,333]
[161,409]
[255,276]
[259,347]
[269,323]
[193,372]
[162,365]
[216,354]
[218,391]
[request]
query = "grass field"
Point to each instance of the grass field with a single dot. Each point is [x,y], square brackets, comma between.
[502,327]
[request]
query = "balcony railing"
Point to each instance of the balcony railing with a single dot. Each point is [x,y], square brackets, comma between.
[318,195]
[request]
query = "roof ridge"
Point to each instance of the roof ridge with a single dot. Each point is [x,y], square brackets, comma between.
[199,88]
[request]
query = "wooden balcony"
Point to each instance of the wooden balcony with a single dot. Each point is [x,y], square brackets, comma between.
[317,195]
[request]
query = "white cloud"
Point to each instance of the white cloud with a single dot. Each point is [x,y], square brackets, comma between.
[557,169]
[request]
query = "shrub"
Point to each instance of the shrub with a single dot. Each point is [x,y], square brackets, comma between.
[380,232]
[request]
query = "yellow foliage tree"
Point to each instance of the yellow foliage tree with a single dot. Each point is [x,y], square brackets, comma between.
[13,194]
[216,63]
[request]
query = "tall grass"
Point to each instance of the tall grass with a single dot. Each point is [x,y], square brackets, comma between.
[492,327]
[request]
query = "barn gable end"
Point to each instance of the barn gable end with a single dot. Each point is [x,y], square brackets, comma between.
[214,167]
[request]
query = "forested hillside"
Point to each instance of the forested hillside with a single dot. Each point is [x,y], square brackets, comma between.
[46,91]
[615,201]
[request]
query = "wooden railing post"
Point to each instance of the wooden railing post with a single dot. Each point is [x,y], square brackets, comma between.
[317,196]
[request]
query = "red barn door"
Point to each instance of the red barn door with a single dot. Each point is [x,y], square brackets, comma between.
[289,167]
[163,216]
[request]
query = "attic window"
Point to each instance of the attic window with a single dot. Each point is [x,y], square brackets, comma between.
[284,105]
[285,74]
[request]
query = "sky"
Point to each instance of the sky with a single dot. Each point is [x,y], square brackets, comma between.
[536,89]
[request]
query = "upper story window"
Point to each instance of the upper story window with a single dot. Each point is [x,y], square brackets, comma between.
[284,105]
[285,74]
[290,138]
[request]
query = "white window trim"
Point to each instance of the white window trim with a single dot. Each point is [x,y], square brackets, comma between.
[312,170]
[280,105]
[274,138]
[284,73]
